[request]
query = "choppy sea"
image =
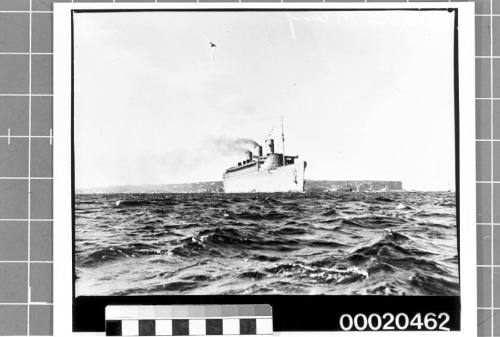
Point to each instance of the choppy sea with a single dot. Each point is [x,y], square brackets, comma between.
[338,243]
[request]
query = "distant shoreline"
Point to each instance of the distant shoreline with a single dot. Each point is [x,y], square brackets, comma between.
[217,187]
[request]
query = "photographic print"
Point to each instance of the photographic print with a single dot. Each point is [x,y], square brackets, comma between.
[262,155]
[265,153]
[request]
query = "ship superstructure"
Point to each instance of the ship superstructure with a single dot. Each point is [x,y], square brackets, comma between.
[269,172]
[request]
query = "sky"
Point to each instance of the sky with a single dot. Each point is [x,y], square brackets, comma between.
[363,95]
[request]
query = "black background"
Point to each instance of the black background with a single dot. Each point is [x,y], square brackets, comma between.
[290,312]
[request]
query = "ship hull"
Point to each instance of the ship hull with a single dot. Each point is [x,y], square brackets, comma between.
[289,178]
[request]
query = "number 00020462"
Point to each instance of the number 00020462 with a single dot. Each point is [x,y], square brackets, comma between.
[400,321]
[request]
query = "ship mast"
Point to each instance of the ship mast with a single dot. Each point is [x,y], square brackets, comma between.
[283,140]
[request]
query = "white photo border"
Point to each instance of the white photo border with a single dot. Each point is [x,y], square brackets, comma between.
[63,198]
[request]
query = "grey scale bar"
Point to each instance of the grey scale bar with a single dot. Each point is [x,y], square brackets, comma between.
[188,320]
[186,311]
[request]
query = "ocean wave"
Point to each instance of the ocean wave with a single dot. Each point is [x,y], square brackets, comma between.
[434,285]
[113,253]
[312,243]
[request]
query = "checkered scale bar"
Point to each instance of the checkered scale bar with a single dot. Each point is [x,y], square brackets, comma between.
[188,320]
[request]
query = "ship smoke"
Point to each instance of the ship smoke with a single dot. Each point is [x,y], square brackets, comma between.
[177,162]
[233,146]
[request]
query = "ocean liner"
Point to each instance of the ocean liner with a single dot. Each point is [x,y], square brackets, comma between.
[266,173]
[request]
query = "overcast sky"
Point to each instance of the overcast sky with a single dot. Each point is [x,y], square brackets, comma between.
[364,95]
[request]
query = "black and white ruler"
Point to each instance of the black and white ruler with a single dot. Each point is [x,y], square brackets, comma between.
[188,320]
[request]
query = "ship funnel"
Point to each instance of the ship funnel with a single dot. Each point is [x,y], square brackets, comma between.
[249,156]
[270,146]
[258,150]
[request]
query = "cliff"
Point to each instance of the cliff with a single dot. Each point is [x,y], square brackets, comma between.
[354,185]
[216,187]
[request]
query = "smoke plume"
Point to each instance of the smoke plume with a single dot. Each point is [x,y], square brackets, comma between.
[234,146]
[181,163]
